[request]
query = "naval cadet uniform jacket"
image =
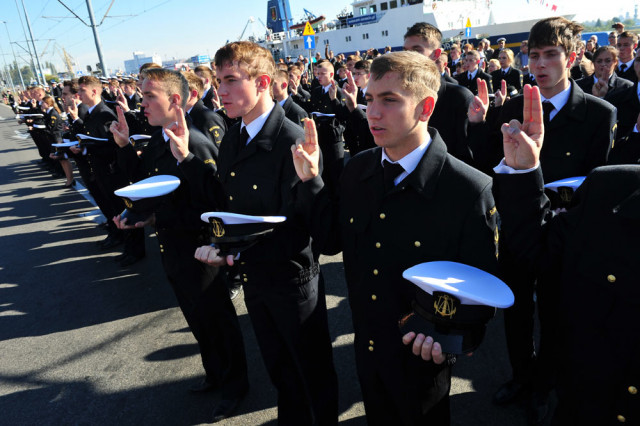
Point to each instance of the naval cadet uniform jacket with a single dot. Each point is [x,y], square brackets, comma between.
[615,84]
[463,80]
[450,119]
[576,140]
[134,101]
[513,78]
[294,112]
[593,251]
[284,292]
[443,210]
[101,156]
[201,292]
[210,123]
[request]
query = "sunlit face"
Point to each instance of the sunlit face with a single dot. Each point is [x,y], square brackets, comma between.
[279,88]
[626,48]
[239,93]
[550,66]
[159,107]
[393,113]
[613,39]
[501,44]
[361,78]
[351,65]
[419,45]
[470,63]
[590,46]
[493,66]
[524,48]
[67,96]
[38,95]
[324,75]
[342,73]
[88,94]
[128,89]
[441,63]
[605,65]
[504,60]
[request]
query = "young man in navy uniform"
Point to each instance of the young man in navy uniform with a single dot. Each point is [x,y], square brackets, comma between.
[200,289]
[284,291]
[469,78]
[450,116]
[389,217]
[593,250]
[579,130]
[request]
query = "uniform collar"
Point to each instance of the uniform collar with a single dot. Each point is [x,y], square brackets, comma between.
[256,125]
[410,161]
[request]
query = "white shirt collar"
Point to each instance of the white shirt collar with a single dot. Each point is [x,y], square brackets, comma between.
[282,102]
[204,95]
[558,101]
[410,161]
[506,70]
[164,135]
[325,89]
[628,64]
[49,110]
[473,74]
[256,125]
[91,109]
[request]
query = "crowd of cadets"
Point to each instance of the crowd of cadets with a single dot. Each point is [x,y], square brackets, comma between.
[591,121]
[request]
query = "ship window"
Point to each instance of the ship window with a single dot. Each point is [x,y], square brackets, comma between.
[365,36]
[347,38]
[363,10]
[385,33]
[393,4]
[373,9]
[383,5]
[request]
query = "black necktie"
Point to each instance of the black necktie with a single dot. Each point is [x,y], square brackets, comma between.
[391,172]
[244,137]
[547,107]
[623,67]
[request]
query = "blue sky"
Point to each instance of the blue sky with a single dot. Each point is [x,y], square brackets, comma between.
[178,28]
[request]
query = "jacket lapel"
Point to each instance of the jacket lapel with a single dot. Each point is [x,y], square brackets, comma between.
[574,109]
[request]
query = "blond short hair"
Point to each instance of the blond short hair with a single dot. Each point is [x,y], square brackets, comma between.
[252,58]
[172,82]
[195,82]
[418,74]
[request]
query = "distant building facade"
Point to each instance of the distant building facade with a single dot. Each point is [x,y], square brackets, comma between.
[132,66]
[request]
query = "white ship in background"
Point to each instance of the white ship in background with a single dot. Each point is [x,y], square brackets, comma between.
[377,24]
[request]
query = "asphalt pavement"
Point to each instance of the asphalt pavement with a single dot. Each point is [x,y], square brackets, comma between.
[85,342]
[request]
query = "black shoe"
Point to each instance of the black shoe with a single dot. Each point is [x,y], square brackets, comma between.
[203,386]
[508,393]
[538,408]
[70,184]
[130,260]
[226,407]
[111,242]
